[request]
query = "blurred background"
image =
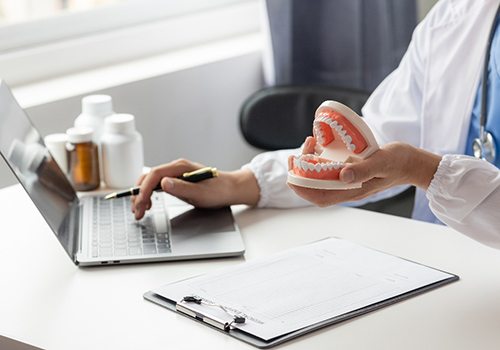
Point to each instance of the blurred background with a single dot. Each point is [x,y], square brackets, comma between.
[185,67]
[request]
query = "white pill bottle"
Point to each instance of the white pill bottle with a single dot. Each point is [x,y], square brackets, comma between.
[95,108]
[122,151]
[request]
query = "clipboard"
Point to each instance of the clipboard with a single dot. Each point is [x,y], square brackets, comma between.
[224,326]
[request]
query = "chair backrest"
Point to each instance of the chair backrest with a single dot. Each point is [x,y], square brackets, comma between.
[281,117]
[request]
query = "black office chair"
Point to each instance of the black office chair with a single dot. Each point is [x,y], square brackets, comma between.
[281,117]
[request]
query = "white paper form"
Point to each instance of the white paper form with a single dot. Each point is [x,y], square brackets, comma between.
[303,286]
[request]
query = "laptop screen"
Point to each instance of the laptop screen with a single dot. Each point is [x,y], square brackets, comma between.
[24,151]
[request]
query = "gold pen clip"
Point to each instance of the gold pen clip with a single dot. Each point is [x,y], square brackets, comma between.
[207,169]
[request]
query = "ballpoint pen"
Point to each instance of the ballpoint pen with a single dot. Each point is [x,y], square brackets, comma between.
[192,176]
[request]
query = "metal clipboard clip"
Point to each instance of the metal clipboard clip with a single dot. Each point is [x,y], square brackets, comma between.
[187,309]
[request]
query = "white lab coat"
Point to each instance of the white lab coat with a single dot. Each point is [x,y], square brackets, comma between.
[427,102]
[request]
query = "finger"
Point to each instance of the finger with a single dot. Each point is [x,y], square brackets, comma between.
[133,198]
[140,180]
[290,162]
[363,170]
[309,145]
[138,211]
[143,199]
[193,193]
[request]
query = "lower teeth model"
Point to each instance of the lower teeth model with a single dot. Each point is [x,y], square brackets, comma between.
[343,135]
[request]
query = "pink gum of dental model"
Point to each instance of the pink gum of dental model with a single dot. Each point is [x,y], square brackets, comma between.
[344,136]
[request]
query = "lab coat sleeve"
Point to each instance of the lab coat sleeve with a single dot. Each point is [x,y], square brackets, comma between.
[271,170]
[465,194]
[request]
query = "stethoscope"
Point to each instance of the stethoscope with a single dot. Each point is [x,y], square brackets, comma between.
[484,146]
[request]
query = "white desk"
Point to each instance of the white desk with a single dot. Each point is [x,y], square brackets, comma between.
[47,301]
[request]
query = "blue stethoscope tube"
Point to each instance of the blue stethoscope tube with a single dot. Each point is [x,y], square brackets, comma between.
[484,146]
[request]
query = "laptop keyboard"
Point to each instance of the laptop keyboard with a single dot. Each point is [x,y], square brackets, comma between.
[116,233]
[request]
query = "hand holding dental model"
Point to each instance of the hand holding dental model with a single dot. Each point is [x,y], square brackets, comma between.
[343,138]
[393,164]
[344,155]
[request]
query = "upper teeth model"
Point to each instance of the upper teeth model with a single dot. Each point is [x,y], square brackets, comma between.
[343,135]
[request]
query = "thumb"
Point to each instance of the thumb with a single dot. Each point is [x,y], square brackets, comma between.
[361,172]
[181,189]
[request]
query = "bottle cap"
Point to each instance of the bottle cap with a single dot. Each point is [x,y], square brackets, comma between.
[26,157]
[120,123]
[100,105]
[58,138]
[80,134]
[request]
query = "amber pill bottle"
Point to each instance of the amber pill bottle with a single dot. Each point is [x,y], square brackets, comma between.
[83,159]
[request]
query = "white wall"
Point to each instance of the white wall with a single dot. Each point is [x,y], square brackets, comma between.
[192,113]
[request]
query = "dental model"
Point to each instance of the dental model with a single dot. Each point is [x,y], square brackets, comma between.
[344,137]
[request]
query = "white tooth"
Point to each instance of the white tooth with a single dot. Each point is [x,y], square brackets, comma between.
[324,166]
[343,132]
[310,166]
[296,162]
[348,139]
[303,165]
[330,166]
[333,123]
[336,165]
[352,147]
[317,166]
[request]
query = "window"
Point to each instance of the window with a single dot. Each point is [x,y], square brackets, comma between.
[40,39]
[13,11]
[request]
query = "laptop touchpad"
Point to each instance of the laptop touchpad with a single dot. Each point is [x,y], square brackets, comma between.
[194,221]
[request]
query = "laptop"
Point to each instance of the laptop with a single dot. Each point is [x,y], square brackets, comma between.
[94,231]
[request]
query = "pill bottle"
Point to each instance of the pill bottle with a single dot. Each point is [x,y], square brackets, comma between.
[95,108]
[122,151]
[83,159]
